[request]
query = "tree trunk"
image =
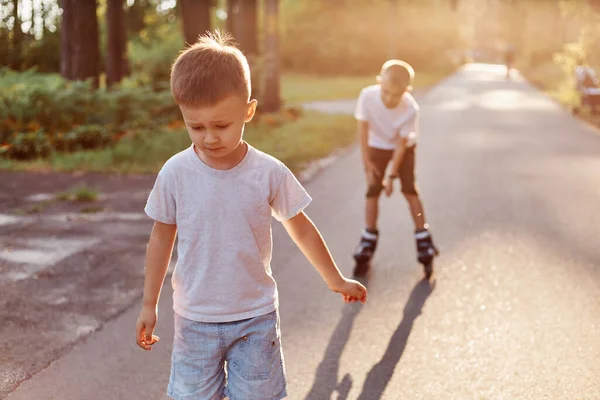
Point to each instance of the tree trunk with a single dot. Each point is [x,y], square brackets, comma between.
[32,27]
[272,100]
[244,25]
[196,18]
[85,46]
[66,39]
[17,37]
[116,48]
[44,15]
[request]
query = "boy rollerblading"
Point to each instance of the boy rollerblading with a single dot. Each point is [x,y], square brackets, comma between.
[387,118]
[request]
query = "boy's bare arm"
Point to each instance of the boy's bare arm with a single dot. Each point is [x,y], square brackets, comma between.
[158,256]
[363,137]
[398,154]
[307,237]
[396,162]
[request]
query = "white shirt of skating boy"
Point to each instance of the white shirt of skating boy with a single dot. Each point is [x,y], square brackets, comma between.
[223,217]
[385,124]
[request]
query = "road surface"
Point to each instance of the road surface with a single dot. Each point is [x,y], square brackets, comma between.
[513,312]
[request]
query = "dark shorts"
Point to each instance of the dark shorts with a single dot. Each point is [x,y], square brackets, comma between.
[381,159]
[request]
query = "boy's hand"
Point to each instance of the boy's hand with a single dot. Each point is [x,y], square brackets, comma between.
[352,291]
[388,184]
[144,328]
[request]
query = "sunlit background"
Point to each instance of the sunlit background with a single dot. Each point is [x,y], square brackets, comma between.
[87,120]
[325,50]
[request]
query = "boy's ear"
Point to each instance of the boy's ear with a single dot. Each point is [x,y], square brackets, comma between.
[378,78]
[251,110]
[409,89]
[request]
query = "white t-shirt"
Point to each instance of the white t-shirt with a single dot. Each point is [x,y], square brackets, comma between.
[385,124]
[223,217]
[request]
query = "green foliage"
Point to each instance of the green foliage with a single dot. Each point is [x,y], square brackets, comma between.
[83,137]
[293,138]
[73,115]
[152,53]
[26,145]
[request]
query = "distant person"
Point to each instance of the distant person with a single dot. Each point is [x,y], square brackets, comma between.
[219,196]
[509,59]
[388,126]
[587,85]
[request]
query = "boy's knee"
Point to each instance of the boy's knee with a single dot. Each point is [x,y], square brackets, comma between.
[410,192]
[374,190]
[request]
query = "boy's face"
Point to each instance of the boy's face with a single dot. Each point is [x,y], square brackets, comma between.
[217,130]
[391,92]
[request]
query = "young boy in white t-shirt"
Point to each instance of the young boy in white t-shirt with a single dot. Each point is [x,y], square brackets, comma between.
[219,196]
[388,126]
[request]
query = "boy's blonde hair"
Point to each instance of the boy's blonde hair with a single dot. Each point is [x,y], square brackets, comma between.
[209,71]
[400,72]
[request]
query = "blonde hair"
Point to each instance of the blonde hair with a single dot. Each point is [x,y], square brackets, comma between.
[210,70]
[400,72]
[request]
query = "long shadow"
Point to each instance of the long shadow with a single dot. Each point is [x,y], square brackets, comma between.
[326,377]
[381,373]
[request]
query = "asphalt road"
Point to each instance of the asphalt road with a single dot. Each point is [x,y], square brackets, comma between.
[513,312]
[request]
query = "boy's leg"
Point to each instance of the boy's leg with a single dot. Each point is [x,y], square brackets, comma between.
[380,158]
[254,359]
[197,363]
[410,191]
[368,240]
[426,250]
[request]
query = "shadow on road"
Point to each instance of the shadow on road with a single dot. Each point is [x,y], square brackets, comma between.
[326,377]
[381,373]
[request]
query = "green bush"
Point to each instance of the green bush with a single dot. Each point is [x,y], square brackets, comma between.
[28,145]
[30,101]
[84,137]
[46,101]
[40,110]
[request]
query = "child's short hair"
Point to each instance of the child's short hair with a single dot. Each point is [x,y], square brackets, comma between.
[400,72]
[209,71]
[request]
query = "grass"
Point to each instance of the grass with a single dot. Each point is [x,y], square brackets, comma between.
[34,209]
[81,194]
[91,210]
[299,88]
[312,136]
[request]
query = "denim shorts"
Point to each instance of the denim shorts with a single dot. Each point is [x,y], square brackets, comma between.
[241,360]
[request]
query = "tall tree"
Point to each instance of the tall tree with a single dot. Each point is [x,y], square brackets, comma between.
[116,49]
[66,39]
[80,41]
[244,24]
[271,98]
[32,27]
[196,18]
[17,37]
